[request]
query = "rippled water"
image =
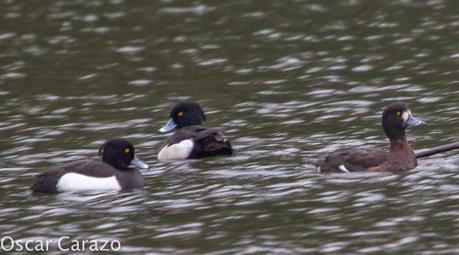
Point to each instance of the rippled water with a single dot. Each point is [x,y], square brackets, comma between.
[289,81]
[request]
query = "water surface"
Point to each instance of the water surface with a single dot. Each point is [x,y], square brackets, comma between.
[289,81]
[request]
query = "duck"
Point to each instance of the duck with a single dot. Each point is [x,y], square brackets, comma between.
[113,173]
[396,118]
[191,140]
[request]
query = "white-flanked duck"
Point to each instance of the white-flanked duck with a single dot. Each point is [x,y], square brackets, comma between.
[113,173]
[191,139]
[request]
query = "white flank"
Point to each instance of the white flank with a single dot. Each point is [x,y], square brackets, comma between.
[80,182]
[343,168]
[179,150]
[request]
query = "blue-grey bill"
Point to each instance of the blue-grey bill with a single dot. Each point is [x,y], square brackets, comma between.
[412,121]
[168,127]
[138,163]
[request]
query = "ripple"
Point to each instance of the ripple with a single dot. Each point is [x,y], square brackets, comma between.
[362,68]
[130,49]
[197,10]
[289,83]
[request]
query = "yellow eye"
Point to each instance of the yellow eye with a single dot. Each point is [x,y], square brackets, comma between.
[127,150]
[180,114]
[398,114]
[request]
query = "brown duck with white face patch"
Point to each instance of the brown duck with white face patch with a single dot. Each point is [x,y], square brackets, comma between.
[395,119]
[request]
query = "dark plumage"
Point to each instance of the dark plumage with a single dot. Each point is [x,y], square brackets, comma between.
[117,155]
[191,140]
[395,119]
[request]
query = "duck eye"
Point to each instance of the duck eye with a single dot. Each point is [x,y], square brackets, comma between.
[180,114]
[127,150]
[398,114]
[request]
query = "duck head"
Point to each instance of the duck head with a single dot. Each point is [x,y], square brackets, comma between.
[184,114]
[120,154]
[396,118]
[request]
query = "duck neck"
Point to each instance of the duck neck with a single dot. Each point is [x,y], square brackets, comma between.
[398,143]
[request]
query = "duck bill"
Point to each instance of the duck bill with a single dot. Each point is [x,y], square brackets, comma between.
[412,122]
[168,127]
[138,163]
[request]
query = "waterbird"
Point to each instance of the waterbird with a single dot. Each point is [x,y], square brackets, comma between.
[113,173]
[191,139]
[396,117]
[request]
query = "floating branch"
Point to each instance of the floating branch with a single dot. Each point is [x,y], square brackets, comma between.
[429,152]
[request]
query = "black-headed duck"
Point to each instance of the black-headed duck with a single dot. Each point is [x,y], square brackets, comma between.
[395,119]
[113,173]
[191,140]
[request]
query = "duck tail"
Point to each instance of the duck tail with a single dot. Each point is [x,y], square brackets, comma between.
[44,183]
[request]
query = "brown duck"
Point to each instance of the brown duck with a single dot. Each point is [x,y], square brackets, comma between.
[395,119]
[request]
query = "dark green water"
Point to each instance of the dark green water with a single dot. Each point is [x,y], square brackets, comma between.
[288,80]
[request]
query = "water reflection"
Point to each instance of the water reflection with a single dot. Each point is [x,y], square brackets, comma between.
[288,81]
